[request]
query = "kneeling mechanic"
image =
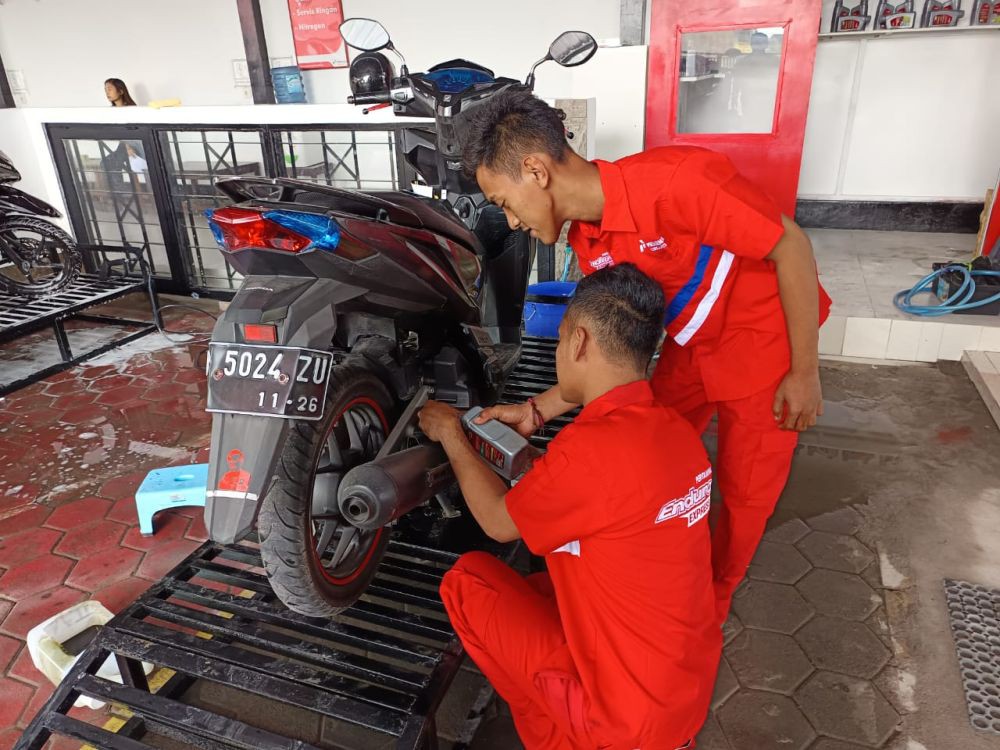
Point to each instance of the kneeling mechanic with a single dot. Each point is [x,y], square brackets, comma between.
[617,646]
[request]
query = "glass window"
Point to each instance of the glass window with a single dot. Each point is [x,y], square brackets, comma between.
[728,80]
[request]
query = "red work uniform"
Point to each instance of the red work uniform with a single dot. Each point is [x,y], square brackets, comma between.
[617,645]
[686,218]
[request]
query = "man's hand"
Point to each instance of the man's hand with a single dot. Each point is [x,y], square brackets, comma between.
[519,416]
[798,400]
[440,422]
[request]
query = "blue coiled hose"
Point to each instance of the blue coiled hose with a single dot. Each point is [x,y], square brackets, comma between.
[959,300]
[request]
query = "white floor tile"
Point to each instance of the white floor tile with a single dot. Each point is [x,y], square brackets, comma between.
[904,340]
[930,341]
[867,338]
[831,335]
[956,339]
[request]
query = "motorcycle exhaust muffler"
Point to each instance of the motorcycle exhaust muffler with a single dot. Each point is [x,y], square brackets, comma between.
[380,491]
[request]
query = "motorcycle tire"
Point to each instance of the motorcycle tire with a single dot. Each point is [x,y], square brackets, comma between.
[293,543]
[15,281]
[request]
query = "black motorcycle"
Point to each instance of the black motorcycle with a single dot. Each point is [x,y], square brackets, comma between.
[36,257]
[356,307]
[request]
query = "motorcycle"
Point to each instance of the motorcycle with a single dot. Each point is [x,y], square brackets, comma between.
[37,258]
[356,308]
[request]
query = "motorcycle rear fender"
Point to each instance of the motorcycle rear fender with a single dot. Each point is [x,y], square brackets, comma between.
[245,449]
[12,199]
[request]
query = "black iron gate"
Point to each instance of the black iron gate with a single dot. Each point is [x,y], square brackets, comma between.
[147,186]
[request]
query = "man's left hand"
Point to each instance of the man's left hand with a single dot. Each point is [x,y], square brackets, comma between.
[798,401]
[439,421]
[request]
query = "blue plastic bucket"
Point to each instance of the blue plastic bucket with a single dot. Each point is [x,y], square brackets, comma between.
[544,307]
[288,86]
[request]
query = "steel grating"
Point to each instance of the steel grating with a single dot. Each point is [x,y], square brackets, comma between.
[975,624]
[17,311]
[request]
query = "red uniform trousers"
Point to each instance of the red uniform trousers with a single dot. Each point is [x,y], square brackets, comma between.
[751,467]
[521,648]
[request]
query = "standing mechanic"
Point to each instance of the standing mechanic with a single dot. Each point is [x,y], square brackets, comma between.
[617,646]
[743,301]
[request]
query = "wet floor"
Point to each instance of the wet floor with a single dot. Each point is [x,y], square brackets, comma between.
[840,638]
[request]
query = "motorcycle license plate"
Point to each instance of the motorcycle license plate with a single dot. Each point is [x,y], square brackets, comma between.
[270,381]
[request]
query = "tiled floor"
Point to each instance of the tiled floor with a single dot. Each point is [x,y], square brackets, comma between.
[863,271]
[73,449]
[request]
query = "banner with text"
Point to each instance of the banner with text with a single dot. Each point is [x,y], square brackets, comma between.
[316,30]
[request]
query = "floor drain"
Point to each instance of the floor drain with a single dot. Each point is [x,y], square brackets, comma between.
[975,624]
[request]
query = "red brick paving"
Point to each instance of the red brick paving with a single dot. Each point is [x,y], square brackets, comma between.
[19,548]
[78,513]
[68,526]
[40,574]
[14,696]
[90,539]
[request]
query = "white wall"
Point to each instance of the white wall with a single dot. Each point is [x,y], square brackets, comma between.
[906,117]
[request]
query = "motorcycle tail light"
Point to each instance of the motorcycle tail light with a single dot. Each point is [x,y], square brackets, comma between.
[238,229]
[261,334]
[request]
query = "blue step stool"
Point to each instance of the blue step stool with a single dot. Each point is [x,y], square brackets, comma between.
[173,487]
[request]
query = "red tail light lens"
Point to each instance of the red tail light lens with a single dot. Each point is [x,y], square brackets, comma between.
[242,228]
[262,334]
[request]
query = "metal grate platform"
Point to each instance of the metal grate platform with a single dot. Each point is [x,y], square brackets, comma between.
[975,624]
[20,316]
[383,665]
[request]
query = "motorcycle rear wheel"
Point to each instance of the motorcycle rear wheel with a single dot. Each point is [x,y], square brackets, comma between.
[51,257]
[317,563]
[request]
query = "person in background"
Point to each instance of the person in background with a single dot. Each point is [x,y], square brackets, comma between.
[117,93]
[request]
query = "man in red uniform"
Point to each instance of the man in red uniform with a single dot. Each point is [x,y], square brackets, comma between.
[617,645]
[743,301]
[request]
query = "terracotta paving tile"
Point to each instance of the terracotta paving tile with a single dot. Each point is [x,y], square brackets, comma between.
[35,576]
[119,395]
[110,382]
[103,569]
[167,526]
[92,372]
[90,414]
[91,539]
[8,650]
[24,669]
[41,695]
[119,595]
[27,545]
[14,696]
[27,518]
[78,513]
[36,609]
[124,511]
[197,530]
[158,561]
[122,486]
[9,737]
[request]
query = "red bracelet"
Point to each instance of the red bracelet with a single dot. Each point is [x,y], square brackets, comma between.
[536,414]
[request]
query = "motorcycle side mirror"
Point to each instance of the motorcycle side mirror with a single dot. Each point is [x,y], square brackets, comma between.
[365,34]
[572,48]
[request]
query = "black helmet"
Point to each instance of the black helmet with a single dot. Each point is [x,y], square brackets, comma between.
[371,72]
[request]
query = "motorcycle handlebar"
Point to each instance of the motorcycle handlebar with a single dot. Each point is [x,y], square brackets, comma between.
[381,97]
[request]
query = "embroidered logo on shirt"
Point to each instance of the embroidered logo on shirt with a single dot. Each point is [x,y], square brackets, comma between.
[694,505]
[652,246]
[602,261]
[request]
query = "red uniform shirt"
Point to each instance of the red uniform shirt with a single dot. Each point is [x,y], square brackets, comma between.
[624,532]
[688,219]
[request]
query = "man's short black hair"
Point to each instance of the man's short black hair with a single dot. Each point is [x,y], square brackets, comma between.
[624,309]
[509,126]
